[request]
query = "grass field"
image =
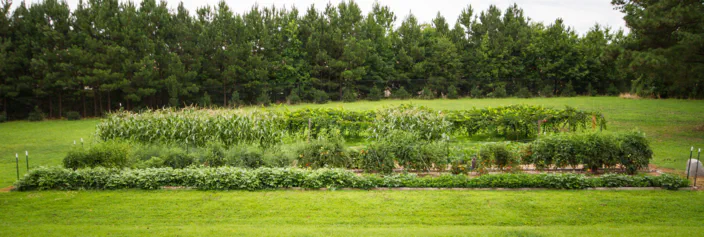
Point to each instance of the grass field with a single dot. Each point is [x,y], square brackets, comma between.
[672,126]
[358,213]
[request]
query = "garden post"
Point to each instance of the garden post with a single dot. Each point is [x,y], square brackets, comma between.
[691,150]
[696,170]
[17,162]
[309,131]
[26,157]
[81,142]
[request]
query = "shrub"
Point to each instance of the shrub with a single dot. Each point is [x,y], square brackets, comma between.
[377,157]
[229,178]
[264,99]
[401,93]
[547,91]
[635,152]
[73,115]
[327,150]
[590,90]
[293,98]
[111,154]
[245,156]
[452,92]
[349,95]
[320,97]
[278,158]
[476,92]
[427,94]
[36,115]
[496,155]
[214,155]
[374,94]
[235,99]
[499,92]
[568,91]
[205,100]
[3,117]
[524,93]
[612,90]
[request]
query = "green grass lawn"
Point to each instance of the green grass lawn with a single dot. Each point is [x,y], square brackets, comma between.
[358,213]
[672,126]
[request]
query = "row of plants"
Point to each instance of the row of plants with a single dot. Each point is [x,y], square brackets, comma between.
[593,151]
[267,128]
[398,149]
[230,178]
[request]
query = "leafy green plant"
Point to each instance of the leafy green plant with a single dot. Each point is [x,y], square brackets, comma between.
[36,115]
[401,93]
[349,95]
[231,178]
[497,155]
[568,90]
[547,91]
[476,92]
[3,117]
[327,150]
[427,94]
[612,90]
[375,94]
[524,93]
[106,154]
[73,115]
[452,92]
[264,99]
[320,97]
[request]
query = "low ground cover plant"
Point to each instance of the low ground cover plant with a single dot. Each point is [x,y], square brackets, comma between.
[230,178]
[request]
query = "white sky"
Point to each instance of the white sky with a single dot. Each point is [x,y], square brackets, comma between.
[579,14]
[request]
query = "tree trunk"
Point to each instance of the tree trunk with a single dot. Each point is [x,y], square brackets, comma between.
[109,105]
[83,98]
[224,96]
[60,106]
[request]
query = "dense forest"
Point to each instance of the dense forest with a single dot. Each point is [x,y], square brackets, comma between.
[105,54]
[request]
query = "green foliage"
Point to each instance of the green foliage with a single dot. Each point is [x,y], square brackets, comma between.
[452,92]
[111,154]
[590,90]
[524,93]
[320,97]
[375,94]
[73,115]
[401,93]
[293,98]
[246,157]
[593,150]
[230,178]
[3,117]
[36,115]
[612,90]
[429,124]
[568,90]
[476,92]
[499,92]
[547,91]
[235,99]
[497,155]
[264,99]
[349,95]
[193,127]
[427,94]
[327,150]
[205,100]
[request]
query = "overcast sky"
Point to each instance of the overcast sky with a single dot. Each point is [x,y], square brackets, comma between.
[580,14]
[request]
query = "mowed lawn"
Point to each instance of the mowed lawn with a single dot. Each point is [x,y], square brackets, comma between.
[352,213]
[673,126]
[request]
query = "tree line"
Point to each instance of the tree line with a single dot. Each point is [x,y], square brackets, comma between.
[106,54]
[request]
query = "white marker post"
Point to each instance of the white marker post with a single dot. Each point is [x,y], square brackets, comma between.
[690,160]
[81,142]
[17,162]
[26,158]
